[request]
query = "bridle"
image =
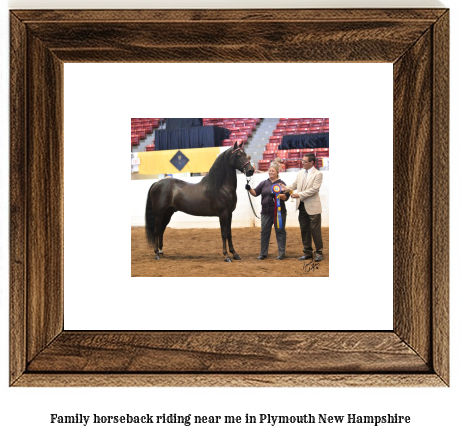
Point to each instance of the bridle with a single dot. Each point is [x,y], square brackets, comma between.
[243,168]
[248,181]
[248,162]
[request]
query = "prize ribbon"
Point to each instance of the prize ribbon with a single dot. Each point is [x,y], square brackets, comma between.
[277,189]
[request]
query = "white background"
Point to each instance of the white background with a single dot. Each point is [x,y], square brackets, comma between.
[431,410]
[98,241]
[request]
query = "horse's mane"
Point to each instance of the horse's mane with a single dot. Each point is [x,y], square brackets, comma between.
[218,174]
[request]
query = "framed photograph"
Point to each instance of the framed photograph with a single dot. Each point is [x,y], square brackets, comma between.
[414,353]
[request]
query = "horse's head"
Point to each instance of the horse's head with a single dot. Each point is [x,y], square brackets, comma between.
[240,161]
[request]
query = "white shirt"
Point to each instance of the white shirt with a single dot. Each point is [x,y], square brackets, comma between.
[306,175]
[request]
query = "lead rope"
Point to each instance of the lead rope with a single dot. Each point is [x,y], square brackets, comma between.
[251,203]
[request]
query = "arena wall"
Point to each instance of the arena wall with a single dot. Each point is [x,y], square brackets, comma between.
[243,215]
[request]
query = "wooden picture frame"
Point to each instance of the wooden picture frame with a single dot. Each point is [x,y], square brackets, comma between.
[414,353]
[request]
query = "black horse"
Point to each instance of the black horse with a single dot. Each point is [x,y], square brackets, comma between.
[214,195]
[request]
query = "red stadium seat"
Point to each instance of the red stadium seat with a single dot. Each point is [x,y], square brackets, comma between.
[295,154]
[250,123]
[243,137]
[293,163]
[269,154]
[148,128]
[247,129]
[275,139]
[322,152]
[263,165]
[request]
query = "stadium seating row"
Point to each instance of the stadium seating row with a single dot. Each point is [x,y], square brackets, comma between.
[276,138]
[295,153]
[293,158]
[294,126]
[230,120]
[241,128]
[141,127]
[301,124]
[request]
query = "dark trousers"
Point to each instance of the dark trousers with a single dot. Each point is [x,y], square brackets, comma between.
[267,221]
[311,228]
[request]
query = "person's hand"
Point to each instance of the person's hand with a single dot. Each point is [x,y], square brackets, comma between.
[294,195]
[283,187]
[283,197]
[248,187]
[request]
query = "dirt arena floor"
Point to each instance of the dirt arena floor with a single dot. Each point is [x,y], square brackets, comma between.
[198,253]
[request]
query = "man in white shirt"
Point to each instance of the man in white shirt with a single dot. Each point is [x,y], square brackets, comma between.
[308,182]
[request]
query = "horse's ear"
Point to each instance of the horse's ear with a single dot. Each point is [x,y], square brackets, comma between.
[235,145]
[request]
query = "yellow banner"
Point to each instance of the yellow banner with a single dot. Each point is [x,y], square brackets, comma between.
[158,162]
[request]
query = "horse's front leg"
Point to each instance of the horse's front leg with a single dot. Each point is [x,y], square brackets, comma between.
[229,236]
[223,219]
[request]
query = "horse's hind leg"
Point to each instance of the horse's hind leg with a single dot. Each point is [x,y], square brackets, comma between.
[166,220]
[223,219]
[229,237]
[157,232]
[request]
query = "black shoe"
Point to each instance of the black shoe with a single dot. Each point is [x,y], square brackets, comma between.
[281,257]
[261,257]
[306,257]
[318,257]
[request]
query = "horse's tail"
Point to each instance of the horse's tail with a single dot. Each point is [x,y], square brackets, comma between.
[150,219]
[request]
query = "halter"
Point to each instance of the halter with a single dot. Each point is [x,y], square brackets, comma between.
[243,168]
[248,163]
[248,181]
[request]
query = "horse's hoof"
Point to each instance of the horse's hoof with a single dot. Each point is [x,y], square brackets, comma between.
[157,257]
[227,260]
[160,252]
[237,257]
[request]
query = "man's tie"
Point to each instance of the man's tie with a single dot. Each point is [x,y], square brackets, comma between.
[304,179]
